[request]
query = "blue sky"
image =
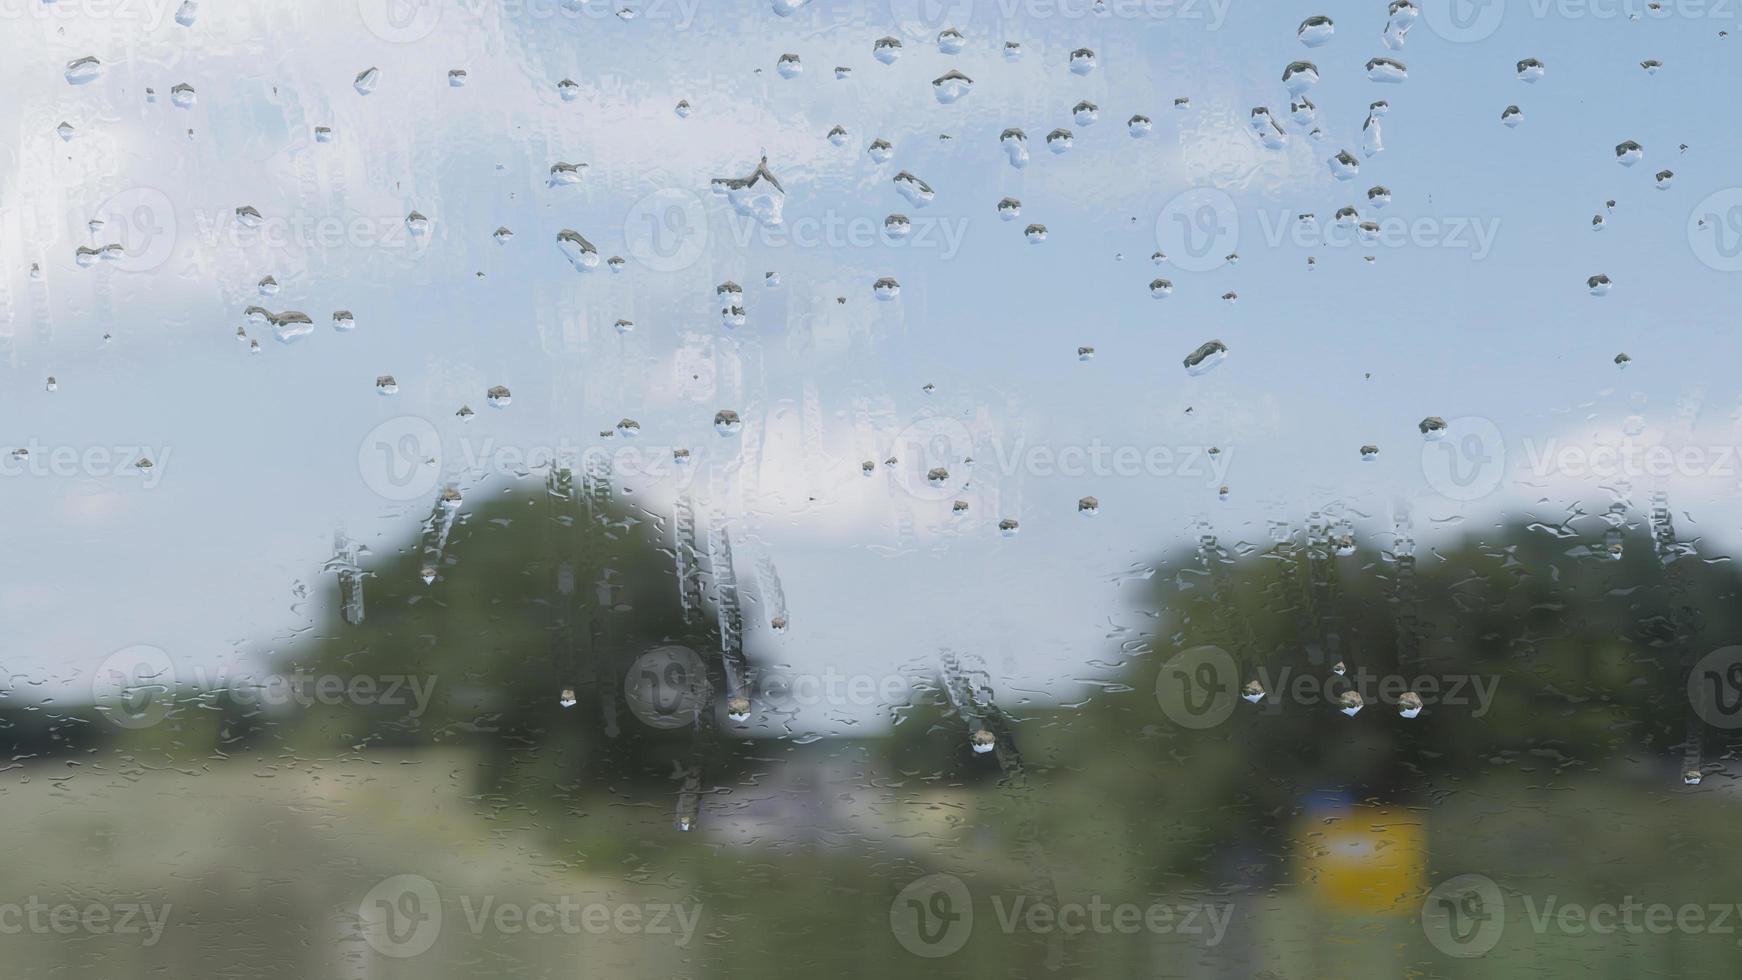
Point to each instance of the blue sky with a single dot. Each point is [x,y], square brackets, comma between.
[1475,307]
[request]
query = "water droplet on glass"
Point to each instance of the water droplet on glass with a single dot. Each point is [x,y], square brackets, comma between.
[1387,70]
[1628,153]
[1315,31]
[1209,354]
[951,86]
[83,70]
[385,385]
[1083,61]
[788,66]
[1300,76]
[886,50]
[758,195]
[366,80]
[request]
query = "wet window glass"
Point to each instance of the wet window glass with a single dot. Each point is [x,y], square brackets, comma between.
[794,488]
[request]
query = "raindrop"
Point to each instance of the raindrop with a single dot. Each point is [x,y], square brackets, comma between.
[1315,31]
[1386,70]
[580,252]
[182,95]
[1651,66]
[788,66]
[1664,179]
[385,385]
[886,50]
[1035,234]
[726,422]
[83,70]
[951,86]
[1060,140]
[344,320]
[1372,138]
[917,192]
[568,90]
[1511,116]
[1344,166]
[758,195]
[1160,288]
[1379,196]
[499,396]
[1008,527]
[1138,126]
[682,109]
[1085,112]
[886,289]
[1083,61]
[457,77]
[366,80]
[1433,427]
[1599,284]
[1628,153]
[1009,208]
[838,136]
[187,13]
[1369,452]
[1207,356]
[565,174]
[1015,143]
[1300,76]
[1409,704]
[950,41]
[1531,70]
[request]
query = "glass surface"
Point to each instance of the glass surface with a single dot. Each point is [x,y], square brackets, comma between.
[1016,488]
